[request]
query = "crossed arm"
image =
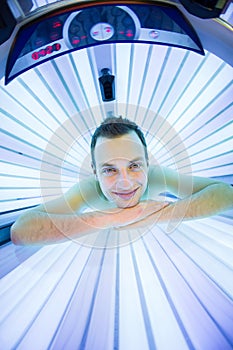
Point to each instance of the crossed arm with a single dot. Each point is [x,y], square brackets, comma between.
[197,197]
[39,227]
[211,200]
[62,219]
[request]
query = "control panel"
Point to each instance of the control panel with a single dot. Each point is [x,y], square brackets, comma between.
[49,36]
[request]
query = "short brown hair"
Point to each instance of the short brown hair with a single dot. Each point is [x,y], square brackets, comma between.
[113,127]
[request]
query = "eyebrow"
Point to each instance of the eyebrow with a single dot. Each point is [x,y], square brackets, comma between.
[106,164]
[131,161]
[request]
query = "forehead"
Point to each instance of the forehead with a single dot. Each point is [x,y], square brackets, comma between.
[127,147]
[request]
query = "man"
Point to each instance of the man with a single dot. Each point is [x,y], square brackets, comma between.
[122,193]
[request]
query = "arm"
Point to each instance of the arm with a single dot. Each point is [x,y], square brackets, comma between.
[212,200]
[61,219]
[199,198]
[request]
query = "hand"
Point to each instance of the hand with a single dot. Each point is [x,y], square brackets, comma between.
[137,214]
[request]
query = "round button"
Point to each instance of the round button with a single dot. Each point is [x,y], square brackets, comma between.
[75,41]
[154,34]
[102,31]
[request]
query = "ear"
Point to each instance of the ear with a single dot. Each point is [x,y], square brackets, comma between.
[94,170]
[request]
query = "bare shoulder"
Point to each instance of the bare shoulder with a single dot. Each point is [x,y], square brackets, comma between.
[155,184]
[177,183]
[80,196]
[87,194]
[156,179]
[165,179]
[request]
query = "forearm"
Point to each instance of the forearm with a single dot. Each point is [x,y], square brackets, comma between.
[42,228]
[45,228]
[212,200]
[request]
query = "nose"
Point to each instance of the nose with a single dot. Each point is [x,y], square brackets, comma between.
[124,182]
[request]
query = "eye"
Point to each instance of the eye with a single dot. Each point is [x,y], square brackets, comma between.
[135,166]
[109,171]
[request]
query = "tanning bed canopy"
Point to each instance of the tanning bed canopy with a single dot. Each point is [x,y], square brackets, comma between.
[205,8]
[77,26]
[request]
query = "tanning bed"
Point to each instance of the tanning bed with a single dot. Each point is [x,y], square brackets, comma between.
[143,290]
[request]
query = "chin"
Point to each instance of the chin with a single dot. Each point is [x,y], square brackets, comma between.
[127,204]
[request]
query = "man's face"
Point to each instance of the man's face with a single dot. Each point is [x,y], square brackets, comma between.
[121,169]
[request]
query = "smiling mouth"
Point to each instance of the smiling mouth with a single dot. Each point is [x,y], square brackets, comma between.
[126,195]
